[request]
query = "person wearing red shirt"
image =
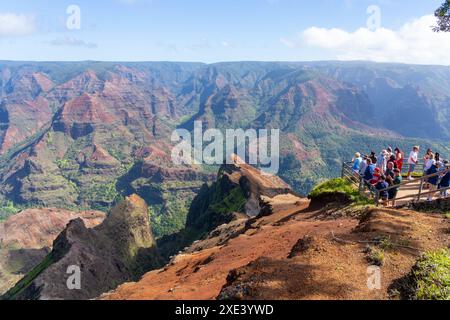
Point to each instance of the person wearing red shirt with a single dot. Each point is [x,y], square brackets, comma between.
[399,156]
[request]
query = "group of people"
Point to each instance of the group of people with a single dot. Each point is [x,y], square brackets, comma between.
[384,172]
[439,171]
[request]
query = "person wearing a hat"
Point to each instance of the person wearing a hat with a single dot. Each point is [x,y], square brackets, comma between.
[357,160]
[376,176]
[382,161]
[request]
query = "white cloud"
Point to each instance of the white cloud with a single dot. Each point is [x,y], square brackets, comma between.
[16,24]
[414,42]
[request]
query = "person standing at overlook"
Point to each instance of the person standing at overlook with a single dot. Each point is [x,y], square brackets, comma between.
[433,181]
[373,157]
[396,182]
[381,186]
[370,170]
[389,152]
[399,158]
[425,159]
[382,161]
[363,167]
[445,180]
[412,161]
[357,160]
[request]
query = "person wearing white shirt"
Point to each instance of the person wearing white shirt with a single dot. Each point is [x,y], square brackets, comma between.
[412,161]
[429,162]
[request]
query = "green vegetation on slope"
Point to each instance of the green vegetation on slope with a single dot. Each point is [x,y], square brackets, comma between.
[339,186]
[169,216]
[8,209]
[28,279]
[432,273]
[233,202]
[429,279]
[213,206]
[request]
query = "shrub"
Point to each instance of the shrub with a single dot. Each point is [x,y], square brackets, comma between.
[8,209]
[375,256]
[339,186]
[431,276]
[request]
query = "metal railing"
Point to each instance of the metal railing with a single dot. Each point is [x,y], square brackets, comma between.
[419,169]
[366,189]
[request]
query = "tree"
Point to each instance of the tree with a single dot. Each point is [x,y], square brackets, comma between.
[443,16]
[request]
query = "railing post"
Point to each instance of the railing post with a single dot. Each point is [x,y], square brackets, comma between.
[343,168]
[377,198]
[420,190]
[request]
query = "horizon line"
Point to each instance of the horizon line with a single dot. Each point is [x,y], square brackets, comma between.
[220,62]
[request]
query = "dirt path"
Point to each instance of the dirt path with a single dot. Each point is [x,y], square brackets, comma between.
[412,191]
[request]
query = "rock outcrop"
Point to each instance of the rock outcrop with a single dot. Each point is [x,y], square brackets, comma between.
[238,193]
[37,228]
[27,237]
[121,249]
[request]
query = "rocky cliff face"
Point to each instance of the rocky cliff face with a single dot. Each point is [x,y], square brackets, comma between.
[24,109]
[27,237]
[238,193]
[83,135]
[120,249]
[168,191]
[416,94]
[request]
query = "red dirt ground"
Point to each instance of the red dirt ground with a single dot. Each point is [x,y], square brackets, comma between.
[328,268]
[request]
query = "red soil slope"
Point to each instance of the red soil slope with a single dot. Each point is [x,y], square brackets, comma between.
[326,250]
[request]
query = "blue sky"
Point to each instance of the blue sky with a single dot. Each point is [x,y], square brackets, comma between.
[221,30]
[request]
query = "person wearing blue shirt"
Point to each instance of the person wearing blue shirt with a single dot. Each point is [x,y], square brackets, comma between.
[368,174]
[433,181]
[445,180]
[381,186]
[357,160]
